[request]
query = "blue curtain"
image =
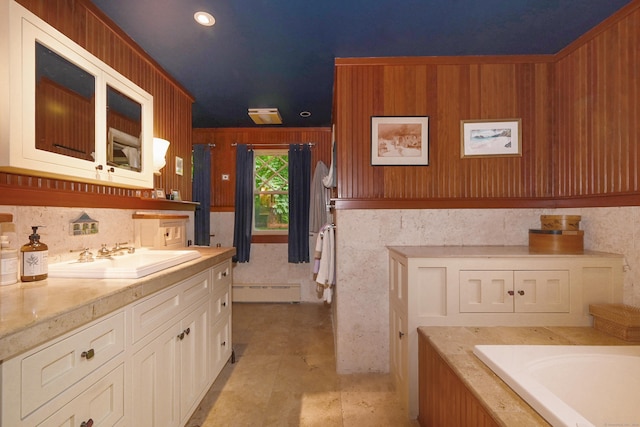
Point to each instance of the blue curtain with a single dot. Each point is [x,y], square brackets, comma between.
[299,200]
[244,203]
[201,189]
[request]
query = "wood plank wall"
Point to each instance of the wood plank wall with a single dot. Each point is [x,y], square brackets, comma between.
[580,121]
[223,155]
[83,23]
[598,110]
[444,399]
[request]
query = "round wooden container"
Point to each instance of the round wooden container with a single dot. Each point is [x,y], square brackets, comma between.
[560,222]
[556,241]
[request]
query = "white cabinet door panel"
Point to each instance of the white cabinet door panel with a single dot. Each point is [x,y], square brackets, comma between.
[486,291]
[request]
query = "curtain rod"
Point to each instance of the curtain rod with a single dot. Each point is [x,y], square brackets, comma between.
[284,144]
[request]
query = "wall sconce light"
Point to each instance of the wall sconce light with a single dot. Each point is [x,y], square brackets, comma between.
[160,147]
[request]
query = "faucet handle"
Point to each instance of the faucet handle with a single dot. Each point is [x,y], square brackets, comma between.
[85,256]
[104,251]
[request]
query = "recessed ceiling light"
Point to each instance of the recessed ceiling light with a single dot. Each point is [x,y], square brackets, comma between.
[204,18]
[305,114]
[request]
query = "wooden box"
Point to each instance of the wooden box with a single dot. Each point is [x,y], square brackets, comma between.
[620,320]
[556,241]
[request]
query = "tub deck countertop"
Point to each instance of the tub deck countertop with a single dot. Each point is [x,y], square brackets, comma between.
[32,313]
[455,346]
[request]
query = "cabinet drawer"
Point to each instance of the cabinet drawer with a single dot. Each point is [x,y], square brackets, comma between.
[152,312]
[102,403]
[51,370]
[220,345]
[221,305]
[222,276]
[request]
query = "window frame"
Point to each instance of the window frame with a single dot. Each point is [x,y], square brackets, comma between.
[267,236]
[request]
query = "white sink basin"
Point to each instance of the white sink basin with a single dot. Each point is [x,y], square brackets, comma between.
[128,266]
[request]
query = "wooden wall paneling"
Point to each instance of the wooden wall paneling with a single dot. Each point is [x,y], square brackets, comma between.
[223,155]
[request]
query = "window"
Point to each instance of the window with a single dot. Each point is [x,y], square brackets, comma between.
[271,192]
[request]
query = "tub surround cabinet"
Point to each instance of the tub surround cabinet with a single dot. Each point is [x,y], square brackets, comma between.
[473,394]
[148,363]
[488,286]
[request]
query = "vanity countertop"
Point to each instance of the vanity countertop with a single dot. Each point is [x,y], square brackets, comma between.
[34,312]
[455,346]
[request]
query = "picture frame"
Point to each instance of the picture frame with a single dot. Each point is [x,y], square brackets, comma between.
[490,138]
[398,141]
[175,195]
[179,166]
[158,193]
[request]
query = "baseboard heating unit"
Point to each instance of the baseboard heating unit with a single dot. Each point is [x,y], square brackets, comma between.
[266,292]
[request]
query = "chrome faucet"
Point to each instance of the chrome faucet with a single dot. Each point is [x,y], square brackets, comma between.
[119,250]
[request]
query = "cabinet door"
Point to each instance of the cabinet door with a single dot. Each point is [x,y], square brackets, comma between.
[541,291]
[398,346]
[156,379]
[102,403]
[220,344]
[486,291]
[194,348]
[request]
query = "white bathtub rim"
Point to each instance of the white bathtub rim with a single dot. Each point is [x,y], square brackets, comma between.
[511,364]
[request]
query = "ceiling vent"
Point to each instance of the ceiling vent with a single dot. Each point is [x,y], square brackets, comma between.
[265,116]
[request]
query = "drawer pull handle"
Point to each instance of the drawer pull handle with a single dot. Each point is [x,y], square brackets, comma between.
[181,336]
[88,355]
[510,293]
[520,292]
[224,343]
[187,331]
[400,335]
[88,423]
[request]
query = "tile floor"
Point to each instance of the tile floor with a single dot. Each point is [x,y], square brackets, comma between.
[285,375]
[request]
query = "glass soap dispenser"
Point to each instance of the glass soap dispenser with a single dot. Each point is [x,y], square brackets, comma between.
[34,258]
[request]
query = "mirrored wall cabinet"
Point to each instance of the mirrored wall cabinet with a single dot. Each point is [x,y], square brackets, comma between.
[68,114]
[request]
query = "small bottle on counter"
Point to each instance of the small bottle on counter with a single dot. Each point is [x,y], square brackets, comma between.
[8,262]
[34,258]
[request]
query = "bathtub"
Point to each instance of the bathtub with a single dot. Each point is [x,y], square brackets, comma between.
[576,386]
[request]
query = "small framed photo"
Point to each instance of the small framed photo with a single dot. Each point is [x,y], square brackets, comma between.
[179,166]
[175,195]
[490,138]
[400,140]
[158,193]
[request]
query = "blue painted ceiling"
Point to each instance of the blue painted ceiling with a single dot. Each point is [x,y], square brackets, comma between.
[280,53]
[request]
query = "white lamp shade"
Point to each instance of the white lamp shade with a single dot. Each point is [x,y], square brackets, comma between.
[160,147]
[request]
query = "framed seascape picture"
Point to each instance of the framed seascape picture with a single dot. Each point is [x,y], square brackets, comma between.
[490,138]
[399,140]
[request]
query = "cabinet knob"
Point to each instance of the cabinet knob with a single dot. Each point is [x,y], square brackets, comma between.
[224,343]
[510,293]
[400,335]
[224,303]
[181,336]
[224,274]
[87,423]
[187,331]
[88,355]
[520,292]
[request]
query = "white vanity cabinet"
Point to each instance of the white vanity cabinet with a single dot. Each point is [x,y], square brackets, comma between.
[171,333]
[149,363]
[76,377]
[66,114]
[488,286]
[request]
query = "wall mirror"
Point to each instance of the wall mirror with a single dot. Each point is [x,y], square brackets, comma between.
[65,106]
[124,126]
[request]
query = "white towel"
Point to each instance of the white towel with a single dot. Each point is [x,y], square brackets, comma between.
[325,252]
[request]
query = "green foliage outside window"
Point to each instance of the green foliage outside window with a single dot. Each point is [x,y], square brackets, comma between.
[271,195]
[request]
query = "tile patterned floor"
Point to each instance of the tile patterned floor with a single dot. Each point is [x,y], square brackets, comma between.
[285,375]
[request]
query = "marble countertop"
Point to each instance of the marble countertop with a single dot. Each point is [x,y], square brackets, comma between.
[455,346]
[34,312]
[483,252]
